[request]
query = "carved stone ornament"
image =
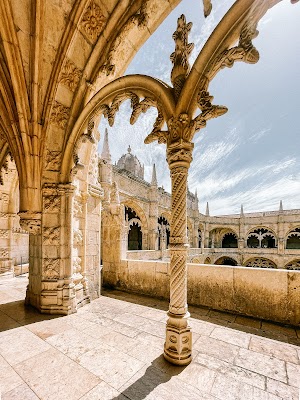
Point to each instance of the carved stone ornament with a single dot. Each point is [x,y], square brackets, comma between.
[30,222]
[51,235]
[59,115]
[140,19]
[51,203]
[77,237]
[180,57]
[70,75]
[3,253]
[51,268]
[53,160]
[93,21]
[4,233]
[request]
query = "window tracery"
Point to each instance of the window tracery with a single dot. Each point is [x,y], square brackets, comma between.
[261,238]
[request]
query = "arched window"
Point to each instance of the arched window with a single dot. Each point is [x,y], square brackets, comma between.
[293,239]
[226,261]
[135,236]
[260,263]
[261,238]
[229,241]
[199,238]
[163,231]
[293,265]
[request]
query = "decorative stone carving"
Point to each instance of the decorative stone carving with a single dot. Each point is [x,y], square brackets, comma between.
[294,265]
[78,206]
[4,233]
[180,57]
[70,75]
[3,253]
[53,160]
[30,222]
[51,268]
[51,236]
[77,237]
[51,203]
[4,197]
[260,263]
[140,20]
[59,115]
[207,7]
[93,21]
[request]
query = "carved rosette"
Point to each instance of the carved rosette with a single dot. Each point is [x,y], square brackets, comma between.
[70,75]
[59,115]
[93,21]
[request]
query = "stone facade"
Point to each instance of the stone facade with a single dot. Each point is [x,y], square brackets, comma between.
[263,239]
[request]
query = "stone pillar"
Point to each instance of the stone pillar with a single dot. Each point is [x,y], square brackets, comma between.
[178,345]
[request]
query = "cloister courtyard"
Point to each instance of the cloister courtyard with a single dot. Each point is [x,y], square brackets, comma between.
[111,349]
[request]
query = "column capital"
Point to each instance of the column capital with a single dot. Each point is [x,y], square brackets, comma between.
[30,222]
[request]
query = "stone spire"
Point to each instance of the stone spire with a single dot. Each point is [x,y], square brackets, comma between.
[280,206]
[105,155]
[242,211]
[154,179]
[207,210]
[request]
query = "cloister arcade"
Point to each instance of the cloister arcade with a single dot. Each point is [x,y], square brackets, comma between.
[52,99]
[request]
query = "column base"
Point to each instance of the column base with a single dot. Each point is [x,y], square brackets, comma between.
[178,345]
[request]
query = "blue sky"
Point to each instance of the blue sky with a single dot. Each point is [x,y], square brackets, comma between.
[251,154]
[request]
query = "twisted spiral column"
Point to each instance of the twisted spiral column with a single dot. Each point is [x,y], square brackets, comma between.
[178,345]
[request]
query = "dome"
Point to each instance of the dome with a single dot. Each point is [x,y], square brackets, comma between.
[131,163]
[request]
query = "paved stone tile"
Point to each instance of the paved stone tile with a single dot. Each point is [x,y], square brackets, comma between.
[9,379]
[227,388]
[153,384]
[103,391]
[262,364]
[7,322]
[45,329]
[198,311]
[53,376]
[247,321]
[280,329]
[156,315]
[112,366]
[21,392]
[81,322]
[259,394]
[232,371]
[293,373]
[198,376]
[231,336]
[223,316]
[203,328]
[20,344]
[282,390]
[216,348]
[274,348]
[74,343]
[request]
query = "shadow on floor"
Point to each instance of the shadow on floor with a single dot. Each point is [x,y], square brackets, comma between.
[15,314]
[268,329]
[152,378]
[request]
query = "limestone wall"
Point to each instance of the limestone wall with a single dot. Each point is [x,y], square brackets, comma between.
[263,293]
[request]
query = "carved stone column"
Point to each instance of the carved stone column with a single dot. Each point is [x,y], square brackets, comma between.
[178,345]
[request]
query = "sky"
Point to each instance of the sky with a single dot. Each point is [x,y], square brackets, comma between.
[250,155]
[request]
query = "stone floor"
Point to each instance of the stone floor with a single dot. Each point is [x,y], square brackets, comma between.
[112,349]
